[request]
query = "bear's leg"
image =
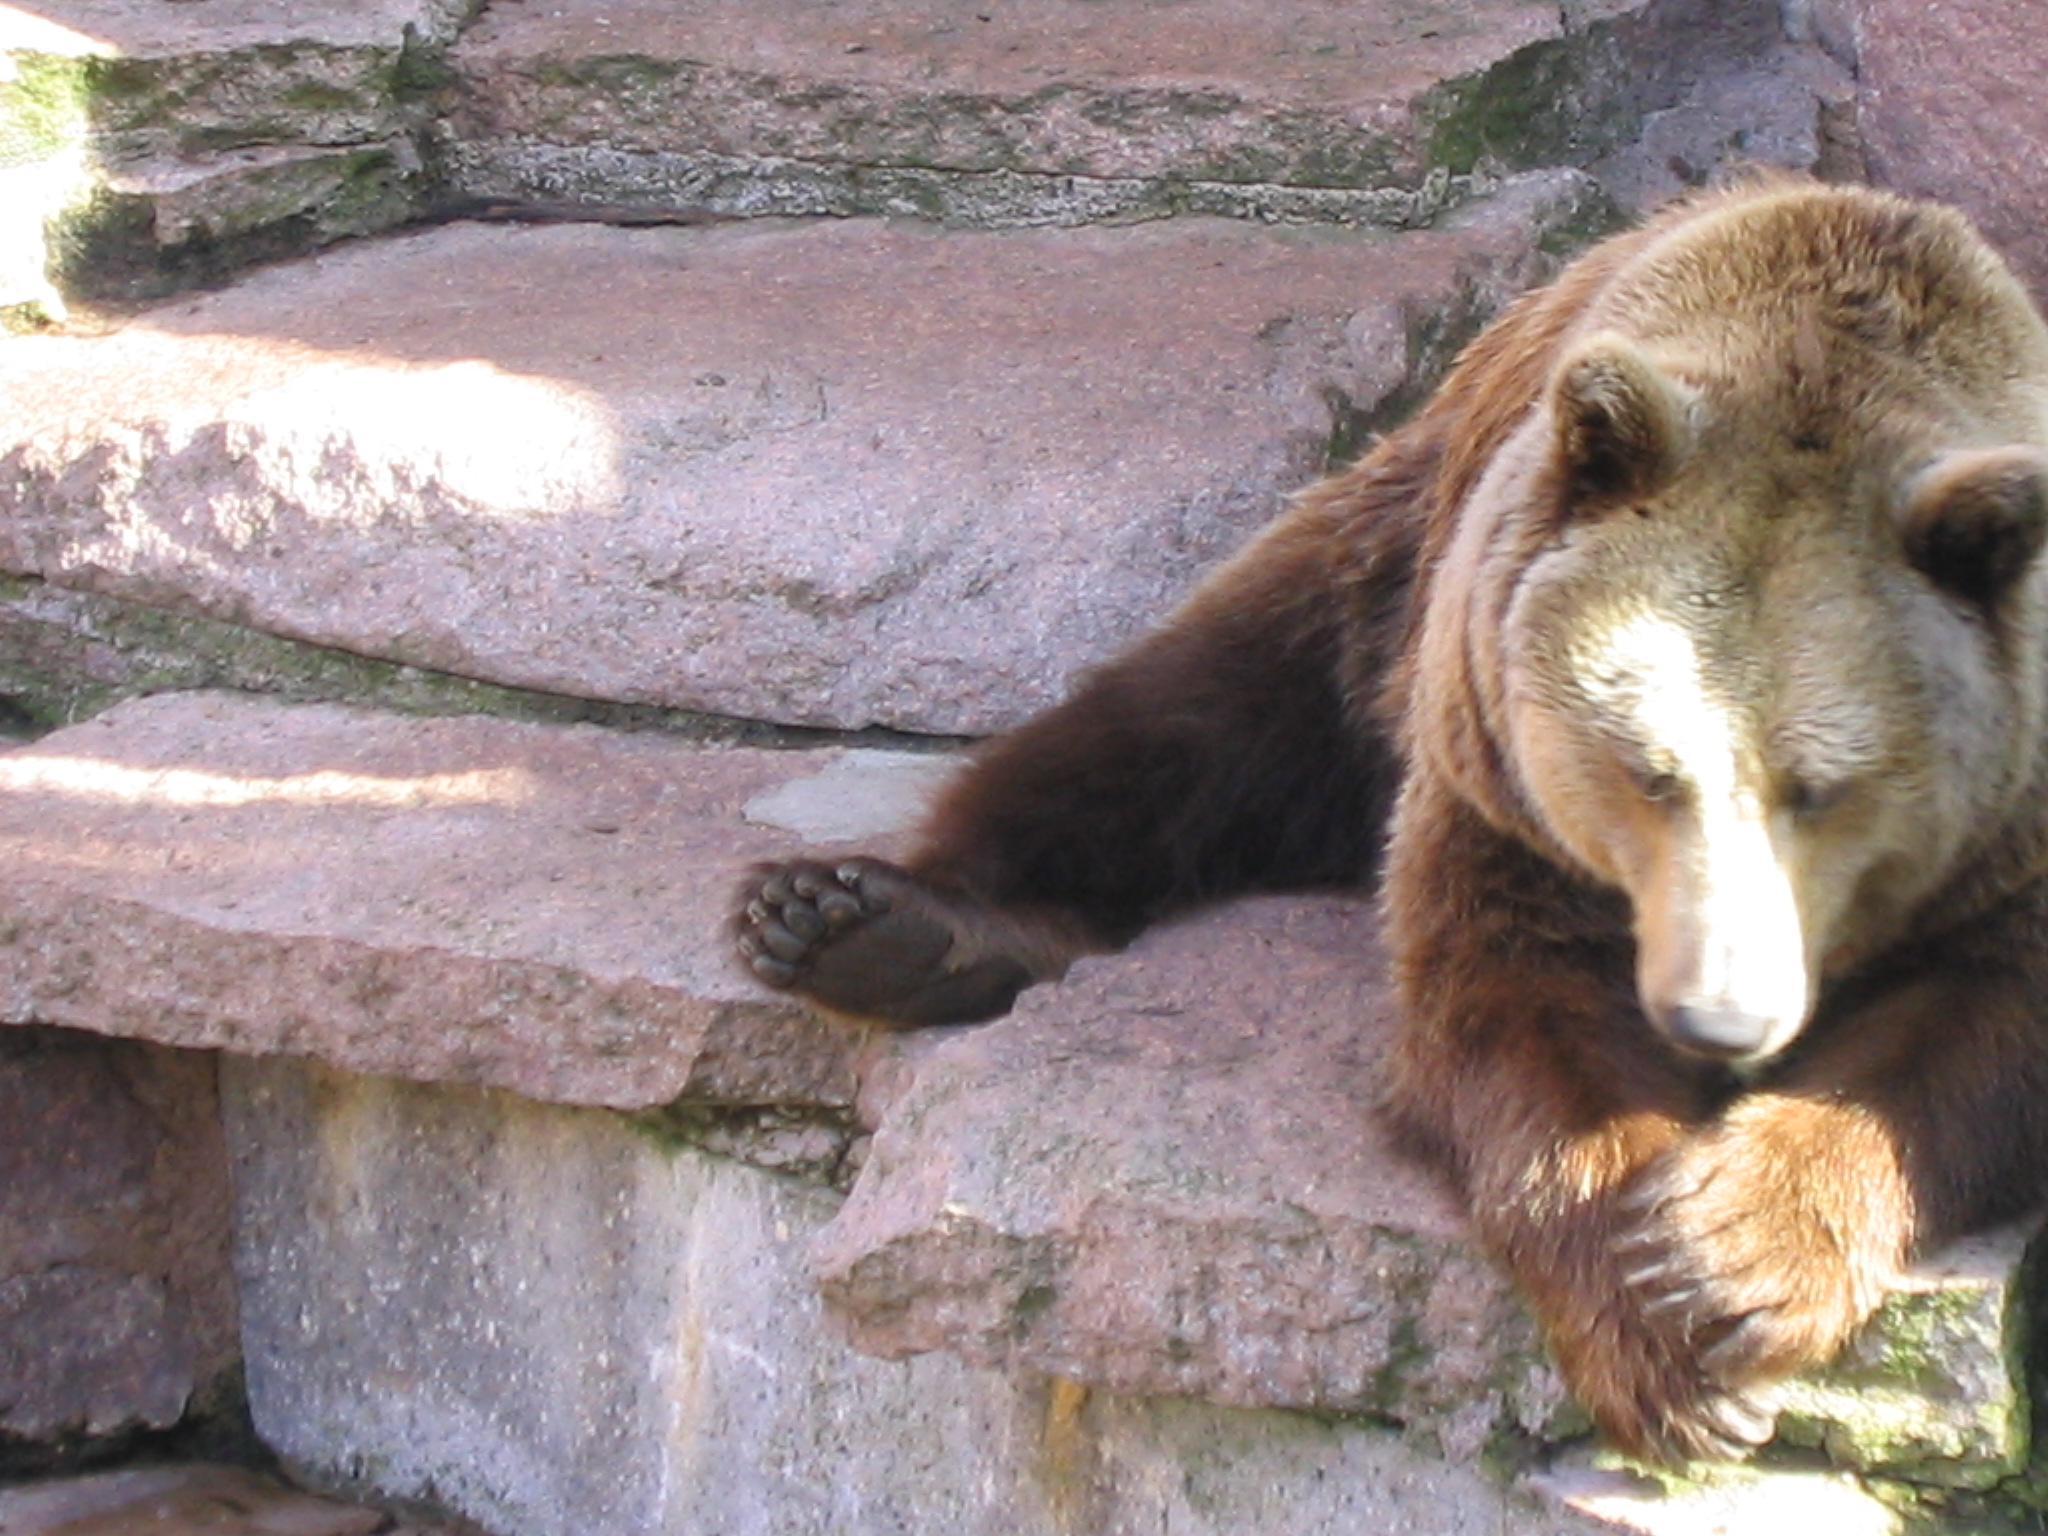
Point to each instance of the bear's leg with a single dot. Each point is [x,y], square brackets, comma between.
[1686,1245]
[1526,1065]
[1228,752]
[1914,1114]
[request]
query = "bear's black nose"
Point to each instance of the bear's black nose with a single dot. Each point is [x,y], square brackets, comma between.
[1708,1029]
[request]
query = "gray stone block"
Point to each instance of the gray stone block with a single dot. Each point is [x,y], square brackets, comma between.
[558,1325]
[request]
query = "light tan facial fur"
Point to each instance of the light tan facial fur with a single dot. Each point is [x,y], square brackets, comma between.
[1763,649]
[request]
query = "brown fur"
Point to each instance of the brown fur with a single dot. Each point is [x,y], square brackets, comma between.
[1794,436]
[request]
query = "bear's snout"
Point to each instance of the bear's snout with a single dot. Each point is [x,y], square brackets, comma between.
[1718,1031]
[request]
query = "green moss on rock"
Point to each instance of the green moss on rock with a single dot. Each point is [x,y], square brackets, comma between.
[1561,102]
[44,108]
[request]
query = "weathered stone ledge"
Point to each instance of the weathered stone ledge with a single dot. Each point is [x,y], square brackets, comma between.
[1302,93]
[441,899]
[1162,1177]
[392,449]
[167,146]
[146,147]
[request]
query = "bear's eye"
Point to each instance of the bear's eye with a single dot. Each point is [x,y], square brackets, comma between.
[1807,798]
[1657,784]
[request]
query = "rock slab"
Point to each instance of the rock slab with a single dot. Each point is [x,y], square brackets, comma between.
[1165,1175]
[1950,107]
[194,1499]
[1059,111]
[832,474]
[146,146]
[1160,1177]
[446,899]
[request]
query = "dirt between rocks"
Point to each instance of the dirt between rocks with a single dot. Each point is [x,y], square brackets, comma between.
[197,1499]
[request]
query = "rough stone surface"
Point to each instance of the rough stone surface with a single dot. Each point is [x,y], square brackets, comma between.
[826,474]
[145,78]
[559,1326]
[166,224]
[536,907]
[1951,107]
[732,106]
[146,146]
[1160,1177]
[116,1301]
[1794,110]
[1935,1389]
[1164,1175]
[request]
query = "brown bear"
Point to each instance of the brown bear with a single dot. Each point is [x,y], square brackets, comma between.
[1679,671]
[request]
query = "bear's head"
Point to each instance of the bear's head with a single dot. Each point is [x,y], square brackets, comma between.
[1747,618]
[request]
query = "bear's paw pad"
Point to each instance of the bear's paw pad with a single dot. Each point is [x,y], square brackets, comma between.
[863,937]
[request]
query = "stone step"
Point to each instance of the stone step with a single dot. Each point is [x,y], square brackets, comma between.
[1065,111]
[1160,1178]
[828,473]
[471,900]
[168,144]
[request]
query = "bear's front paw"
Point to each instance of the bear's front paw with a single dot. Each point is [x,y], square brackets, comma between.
[862,936]
[1739,1252]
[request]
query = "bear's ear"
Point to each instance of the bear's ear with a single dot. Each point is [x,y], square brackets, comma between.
[1622,425]
[1973,521]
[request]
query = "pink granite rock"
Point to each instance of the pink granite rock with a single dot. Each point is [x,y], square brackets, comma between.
[1164,1176]
[533,907]
[1063,110]
[829,474]
[1951,107]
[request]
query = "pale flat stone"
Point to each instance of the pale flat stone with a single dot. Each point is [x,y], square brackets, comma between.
[861,795]
[1738,1501]
[536,907]
[192,1500]
[832,474]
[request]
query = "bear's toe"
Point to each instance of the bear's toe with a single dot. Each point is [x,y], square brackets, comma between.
[790,912]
